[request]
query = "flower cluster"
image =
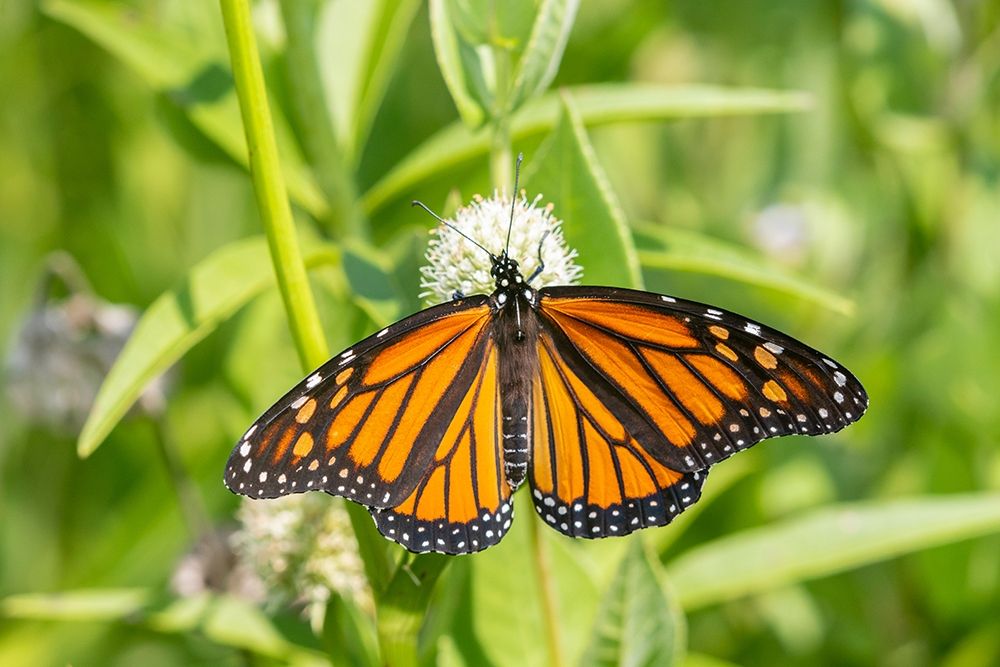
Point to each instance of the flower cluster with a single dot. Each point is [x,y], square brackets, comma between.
[457,266]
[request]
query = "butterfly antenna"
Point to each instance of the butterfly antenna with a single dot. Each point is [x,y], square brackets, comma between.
[453,228]
[513,200]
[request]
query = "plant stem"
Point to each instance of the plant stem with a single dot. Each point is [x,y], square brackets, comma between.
[546,592]
[269,186]
[501,158]
[309,105]
[276,215]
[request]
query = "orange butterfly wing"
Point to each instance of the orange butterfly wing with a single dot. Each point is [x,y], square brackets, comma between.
[692,383]
[463,503]
[367,424]
[589,475]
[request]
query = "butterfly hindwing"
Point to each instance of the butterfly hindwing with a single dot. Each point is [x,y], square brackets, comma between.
[462,504]
[708,382]
[366,424]
[589,476]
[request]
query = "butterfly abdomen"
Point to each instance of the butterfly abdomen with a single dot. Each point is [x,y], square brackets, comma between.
[516,340]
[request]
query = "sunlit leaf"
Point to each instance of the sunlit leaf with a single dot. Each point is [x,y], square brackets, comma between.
[507,595]
[683,250]
[540,61]
[597,104]
[826,542]
[358,47]
[213,290]
[99,604]
[636,625]
[566,172]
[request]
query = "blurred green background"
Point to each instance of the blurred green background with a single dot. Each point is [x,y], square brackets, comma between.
[858,210]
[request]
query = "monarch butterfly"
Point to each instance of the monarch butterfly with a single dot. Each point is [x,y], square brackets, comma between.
[612,403]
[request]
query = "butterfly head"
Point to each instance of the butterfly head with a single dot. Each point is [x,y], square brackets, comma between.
[505,272]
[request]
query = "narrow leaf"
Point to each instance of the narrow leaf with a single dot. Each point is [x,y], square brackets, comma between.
[99,604]
[597,105]
[683,250]
[213,290]
[540,61]
[826,542]
[566,172]
[448,49]
[636,625]
[358,47]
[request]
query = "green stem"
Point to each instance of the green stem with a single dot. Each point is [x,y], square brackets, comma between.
[269,185]
[276,215]
[309,106]
[501,158]
[546,592]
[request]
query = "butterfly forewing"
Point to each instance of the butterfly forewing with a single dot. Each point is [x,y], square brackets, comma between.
[366,425]
[706,382]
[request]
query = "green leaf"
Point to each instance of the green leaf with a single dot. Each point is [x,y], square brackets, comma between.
[826,542]
[566,172]
[99,604]
[540,61]
[186,65]
[213,290]
[663,247]
[597,105]
[458,63]
[636,624]
[506,605]
[358,48]
[403,606]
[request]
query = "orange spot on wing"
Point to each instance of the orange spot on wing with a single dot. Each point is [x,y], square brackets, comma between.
[303,445]
[773,391]
[305,413]
[343,375]
[338,397]
[719,332]
[720,376]
[765,358]
[726,351]
[628,320]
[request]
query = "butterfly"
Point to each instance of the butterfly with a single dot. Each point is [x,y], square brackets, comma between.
[611,403]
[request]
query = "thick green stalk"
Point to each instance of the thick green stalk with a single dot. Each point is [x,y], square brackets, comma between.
[269,186]
[309,106]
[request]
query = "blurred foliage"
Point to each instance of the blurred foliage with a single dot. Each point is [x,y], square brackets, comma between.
[829,167]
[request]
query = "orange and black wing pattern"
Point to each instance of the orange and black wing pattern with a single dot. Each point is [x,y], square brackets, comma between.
[462,504]
[589,476]
[368,425]
[694,384]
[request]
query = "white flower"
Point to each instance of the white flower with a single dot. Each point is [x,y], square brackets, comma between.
[456,265]
[302,547]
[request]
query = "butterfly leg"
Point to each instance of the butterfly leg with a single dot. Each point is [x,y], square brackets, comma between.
[541,263]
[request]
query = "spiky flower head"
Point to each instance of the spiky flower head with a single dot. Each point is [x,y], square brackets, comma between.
[456,265]
[302,547]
